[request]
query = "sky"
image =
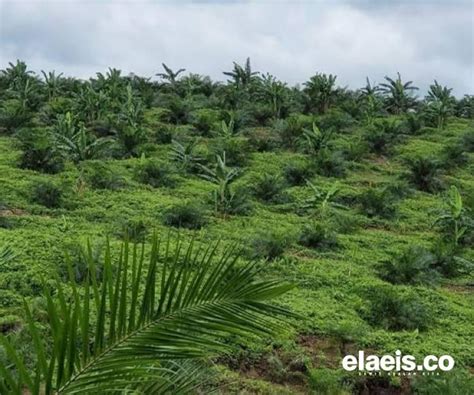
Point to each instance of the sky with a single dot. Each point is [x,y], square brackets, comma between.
[423,40]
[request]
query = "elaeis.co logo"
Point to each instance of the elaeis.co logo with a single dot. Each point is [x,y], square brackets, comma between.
[397,365]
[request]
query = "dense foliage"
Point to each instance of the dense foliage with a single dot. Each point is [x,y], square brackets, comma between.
[361,198]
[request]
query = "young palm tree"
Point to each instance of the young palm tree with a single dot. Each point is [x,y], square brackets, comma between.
[17,73]
[440,104]
[53,83]
[141,325]
[321,89]
[438,112]
[440,93]
[398,94]
[275,93]
[195,84]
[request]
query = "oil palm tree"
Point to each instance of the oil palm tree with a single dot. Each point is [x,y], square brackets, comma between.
[53,83]
[275,93]
[321,90]
[141,327]
[440,104]
[438,92]
[398,94]
[17,73]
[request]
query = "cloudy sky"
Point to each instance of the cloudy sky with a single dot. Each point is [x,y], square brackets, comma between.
[423,40]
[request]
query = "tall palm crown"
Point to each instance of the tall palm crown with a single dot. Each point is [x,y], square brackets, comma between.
[440,93]
[398,94]
[242,76]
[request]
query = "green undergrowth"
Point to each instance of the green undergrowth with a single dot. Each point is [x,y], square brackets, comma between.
[333,284]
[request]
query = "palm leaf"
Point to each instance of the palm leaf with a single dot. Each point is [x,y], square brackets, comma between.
[144,315]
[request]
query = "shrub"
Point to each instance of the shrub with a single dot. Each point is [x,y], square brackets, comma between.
[269,245]
[378,203]
[412,124]
[13,115]
[335,119]
[355,150]
[448,262]
[392,310]
[398,189]
[262,139]
[38,152]
[296,173]
[327,381]
[413,266]
[132,229]
[382,136]
[318,235]
[236,150]
[47,194]
[80,260]
[164,133]
[291,129]
[449,384]
[378,142]
[454,155]
[468,141]
[270,188]
[424,174]
[204,120]
[185,215]
[154,173]
[130,137]
[330,163]
[233,202]
[100,176]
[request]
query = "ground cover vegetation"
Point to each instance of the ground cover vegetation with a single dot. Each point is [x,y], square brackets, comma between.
[176,234]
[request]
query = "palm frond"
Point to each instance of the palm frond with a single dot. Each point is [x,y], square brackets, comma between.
[125,332]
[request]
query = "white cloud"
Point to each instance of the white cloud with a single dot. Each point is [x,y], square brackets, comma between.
[292,40]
